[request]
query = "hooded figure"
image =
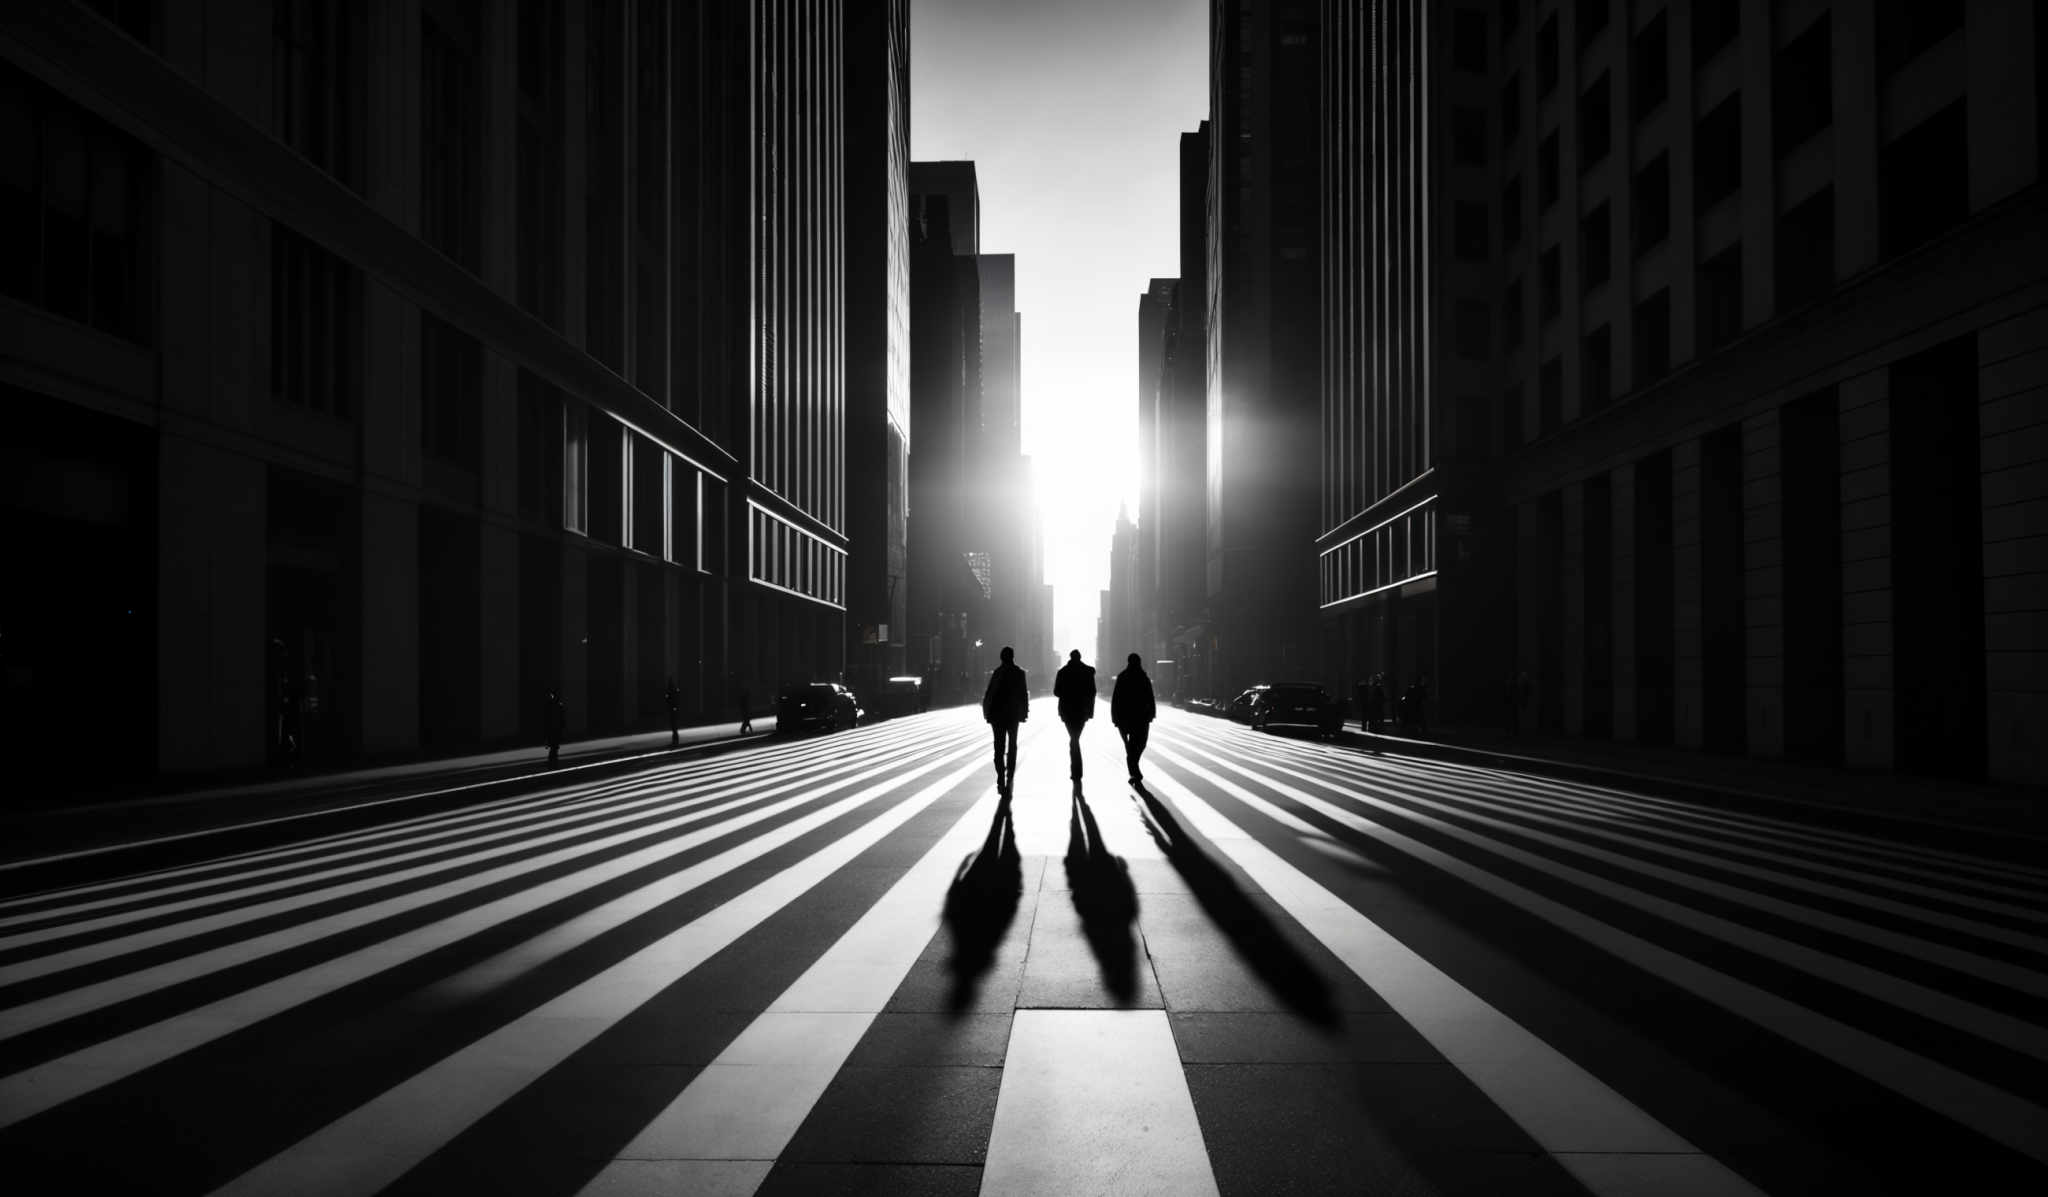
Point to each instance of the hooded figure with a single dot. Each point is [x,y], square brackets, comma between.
[1074,687]
[1005,704]
[1132,710]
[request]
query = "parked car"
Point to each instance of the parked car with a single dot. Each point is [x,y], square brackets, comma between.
[1242,707]
[1298,704]
[899,696]
[827,706]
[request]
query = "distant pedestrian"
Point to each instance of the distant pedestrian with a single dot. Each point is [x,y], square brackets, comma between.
[1005,704]
[1421,712]
[741,699]
[1074,687]
[553,715]
[675,734]
[1376,703]
[1132,709]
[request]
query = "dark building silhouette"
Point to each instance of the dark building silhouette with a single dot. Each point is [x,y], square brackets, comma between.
[972,501]
[1180,597]
[1155,314]
[1713,331]
[398,362]
[1262,335]
[877,340]
[1122,616]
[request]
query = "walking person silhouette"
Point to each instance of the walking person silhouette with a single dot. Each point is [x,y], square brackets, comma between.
[1132,710]
[1074,687]
[1005,704]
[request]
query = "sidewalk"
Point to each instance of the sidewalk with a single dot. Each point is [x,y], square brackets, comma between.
[1712,777]
[69,821]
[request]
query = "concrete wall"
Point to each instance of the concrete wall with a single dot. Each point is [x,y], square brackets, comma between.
[2013,425]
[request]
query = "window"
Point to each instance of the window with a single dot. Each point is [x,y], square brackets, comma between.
[606,504]
[1468,231]
[1511,109]
[1649,60]
[540,159]
[1550,397]
[75,200]
[1546,172]
[1511,418]
[1650,204]
[1468,40]
[540,447]
[1549,272]
[1511,212]
[1714,27]
[575,467]
[1720,299]
[1595,248]
[1596,370]
[1596,123]
[1468,136]
[316,88]
[1653,338]
[1546,57]
[648,496]
[1806,250]
[1592,19]
[313,326]
[1802,83]
[1717,154]
[451,393]
[1906,29]
[451,135]
[1472,331]
[1923,181]
[1511,316]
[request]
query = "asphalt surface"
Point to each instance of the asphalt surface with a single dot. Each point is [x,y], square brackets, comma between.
[843,964]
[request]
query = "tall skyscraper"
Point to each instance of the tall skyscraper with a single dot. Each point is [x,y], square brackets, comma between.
[1263,331]
[418,358]
[1155,313]
[877,339]
[1705,328]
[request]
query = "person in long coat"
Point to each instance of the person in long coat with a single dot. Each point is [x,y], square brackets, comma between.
[1005,704]
[1132,709]
[1074,687]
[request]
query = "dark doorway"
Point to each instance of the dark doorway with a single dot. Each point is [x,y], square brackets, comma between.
[1937,563]
[1724,645]
[607,644]
[1597,547]
[78,658]
[450,644]
[1656,682]
[1810,444]
[540,631]
[1550,617]
[310,616]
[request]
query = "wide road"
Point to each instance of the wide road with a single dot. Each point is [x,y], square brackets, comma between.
[840,964]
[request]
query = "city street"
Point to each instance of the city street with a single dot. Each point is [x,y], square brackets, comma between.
[838,964]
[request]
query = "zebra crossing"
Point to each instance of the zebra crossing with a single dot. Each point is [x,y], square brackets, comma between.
[843,964]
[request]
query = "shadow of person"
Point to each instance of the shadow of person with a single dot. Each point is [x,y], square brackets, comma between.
[1252,932]
[980,904]
[1105,900]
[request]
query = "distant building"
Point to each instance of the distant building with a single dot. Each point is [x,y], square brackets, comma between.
[1697,349]
[877,340]
[1155,314]
[1263,329]
[368,376]
[1181,592]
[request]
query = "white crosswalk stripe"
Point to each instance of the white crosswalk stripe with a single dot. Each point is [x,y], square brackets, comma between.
[511,937]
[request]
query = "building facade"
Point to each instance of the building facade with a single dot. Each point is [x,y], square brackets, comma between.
[877,341]
[1262,336]
[402,362]
[1741,307]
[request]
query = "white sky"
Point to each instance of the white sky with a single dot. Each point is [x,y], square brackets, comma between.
[1072,112]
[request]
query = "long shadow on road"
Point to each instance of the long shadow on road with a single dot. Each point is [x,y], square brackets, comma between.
[1105,900]
[980,905]
[1260,943]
